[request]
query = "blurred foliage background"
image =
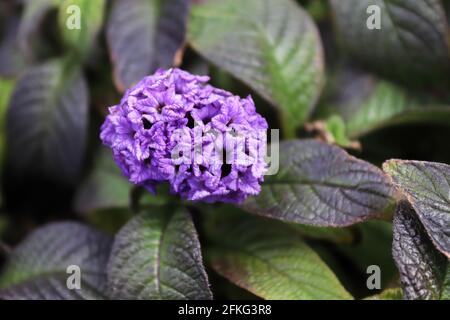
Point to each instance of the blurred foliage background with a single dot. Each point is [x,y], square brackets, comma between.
[379,93]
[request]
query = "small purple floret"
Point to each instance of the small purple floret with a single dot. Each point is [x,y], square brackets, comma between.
[168,111]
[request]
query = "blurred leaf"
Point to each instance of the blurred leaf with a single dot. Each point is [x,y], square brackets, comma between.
[426,185]
[33,14]
[412,43]
[47,122]
[367,103]
[37,268]
[271,45]
[423,269]
[336,127]
[3,223]
[372,248]
[322,185]
[90,19]
[105,187]
[270,260]
[157,256]
[389,105]
[334,235]
[144,35]
[388,294]
[12,61]
[6,89]
[109,220]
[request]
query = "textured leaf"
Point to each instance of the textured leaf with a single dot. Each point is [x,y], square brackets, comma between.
[104,188]
[144,35]
[422,268]
[426,185]
[322,185]
[47,122]
[271,45]
[270,260]
[157,256]
[388,294]
[91,19]
[37,268]
[413,39]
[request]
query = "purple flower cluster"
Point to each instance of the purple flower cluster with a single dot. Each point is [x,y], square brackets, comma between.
[176,113]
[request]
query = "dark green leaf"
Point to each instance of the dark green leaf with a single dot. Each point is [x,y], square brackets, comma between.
[12,61]
[426,185]
[157,256]
[47,122]
[334,235]
[412,42]
[322,185]
[91,18]
[271,45]
[37,268]
[270,260]
[144,35]
[422,268]
[33,14]
[105,187]
[372,247]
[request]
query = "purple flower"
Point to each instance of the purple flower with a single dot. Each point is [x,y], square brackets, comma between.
[173,126]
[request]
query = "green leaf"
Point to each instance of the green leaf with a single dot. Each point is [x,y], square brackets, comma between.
[104,188]
[12,60]
[322,185]
[271,45]
[372,247]
[47,122]
[33,14]
[334,235]
[157,256]
[422,268]
[367,103]
[144,35]
[388,294]
[426,185]
[412,43]
[389,105]
[37,268]
[270,260]
[6,89]
[80,22]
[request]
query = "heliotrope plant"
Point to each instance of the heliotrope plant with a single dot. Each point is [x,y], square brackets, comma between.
[177,203]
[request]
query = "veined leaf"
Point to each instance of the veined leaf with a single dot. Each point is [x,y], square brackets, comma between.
[144,35]
[38,267]
[423,269]
[271,45]
[80,37]
[411,44]
[270,260]
[47,122]
[322,185]
[157,256]
[426,185]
